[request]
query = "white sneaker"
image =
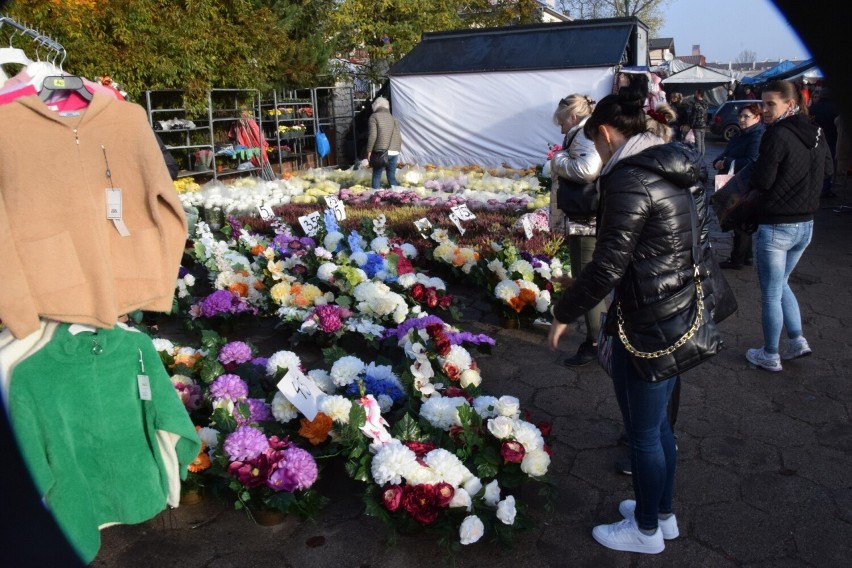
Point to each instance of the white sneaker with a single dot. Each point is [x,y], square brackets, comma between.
[668,527]
[795,348]
[764,360]
[625,535]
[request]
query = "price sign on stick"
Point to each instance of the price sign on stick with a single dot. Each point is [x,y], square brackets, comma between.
[335,204]
[462,212]
[423,226]
[528,229]
[457,222]
[301,391]
[265,212]
[311,223]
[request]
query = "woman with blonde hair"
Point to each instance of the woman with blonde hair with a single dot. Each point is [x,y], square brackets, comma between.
[577,162]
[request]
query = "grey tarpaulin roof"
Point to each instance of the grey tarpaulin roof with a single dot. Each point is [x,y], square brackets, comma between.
[580,43]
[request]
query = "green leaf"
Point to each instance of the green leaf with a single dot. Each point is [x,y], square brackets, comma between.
[407,429]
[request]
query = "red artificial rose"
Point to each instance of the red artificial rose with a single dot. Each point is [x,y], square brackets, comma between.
[442,345]
[421,503]
[452,371]
[420,449]
[444,493]
[435,330]
[403,265]
[418,291]
[446,301]
[545,428]
[431,297]
[452,392]
[392,497]
[512,451]
[455,432]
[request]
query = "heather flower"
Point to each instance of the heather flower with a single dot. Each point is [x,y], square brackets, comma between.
[296,470]
[245,444]
[229,387]
[235,352]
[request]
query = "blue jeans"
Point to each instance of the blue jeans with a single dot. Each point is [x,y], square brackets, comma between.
[653,453]
[699,140]
[778,249]
[391,169]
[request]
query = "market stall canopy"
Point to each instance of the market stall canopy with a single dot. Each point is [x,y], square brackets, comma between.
[787,70]
[486,96]
[714,83]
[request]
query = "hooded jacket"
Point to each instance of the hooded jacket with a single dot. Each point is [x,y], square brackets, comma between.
[794,160]
[644,241]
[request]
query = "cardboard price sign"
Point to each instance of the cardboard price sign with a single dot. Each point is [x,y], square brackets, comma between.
[423,226]
[335,204]
[302,392]
[311,223]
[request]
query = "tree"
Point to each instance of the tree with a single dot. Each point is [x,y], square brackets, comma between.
[746,56]
[649,11]
[192,45]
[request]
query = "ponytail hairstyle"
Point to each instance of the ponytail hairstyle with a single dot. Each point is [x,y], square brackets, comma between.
[580,105]
[788,91]
[623,111]
[659,121]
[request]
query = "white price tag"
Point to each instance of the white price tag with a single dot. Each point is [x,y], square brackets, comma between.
[301,391]
[144,387]
[457,222]
[335,204]
[265,212]
[311,223]
[423,226]
[528,229]
[463,212]
[113,200]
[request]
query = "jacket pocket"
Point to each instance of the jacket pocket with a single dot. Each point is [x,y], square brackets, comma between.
[51,265]
[139,256]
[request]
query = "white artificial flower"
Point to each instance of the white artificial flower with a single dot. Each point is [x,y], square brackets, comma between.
[496,266]
[523,268]
[542,302]
[332,239]
[506,510]
[485,406]
[282,360]
[189,279]
[506,290]
[492,494]
[380,245]
[322,379]
[210,436]
[345,370]
[459,357]
[392,463]
[322,253]
[471,530]
[470,378]
[164,345]
[446,466]
[442,412]
[527,434]
[501,427]
[473,485]
[420,475]
[325,272]
[407,280]
[282,409]
[535,463]
[359,258]
[408,250]
[440,235]
[461,498]
[385,402]
[508,406]
[336,407]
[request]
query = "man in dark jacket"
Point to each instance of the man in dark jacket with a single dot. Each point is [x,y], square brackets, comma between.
[788,175]
[698,119]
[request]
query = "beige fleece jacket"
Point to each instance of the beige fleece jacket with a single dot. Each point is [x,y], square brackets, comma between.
[61,257]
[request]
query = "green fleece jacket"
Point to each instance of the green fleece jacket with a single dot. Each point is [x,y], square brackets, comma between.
[90,441]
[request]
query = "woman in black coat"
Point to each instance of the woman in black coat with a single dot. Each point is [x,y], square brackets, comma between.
[742,151]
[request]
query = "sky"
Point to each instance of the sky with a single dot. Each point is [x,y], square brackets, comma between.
[725,28]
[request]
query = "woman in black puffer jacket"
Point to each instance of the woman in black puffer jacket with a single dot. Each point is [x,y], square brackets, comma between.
[644,254]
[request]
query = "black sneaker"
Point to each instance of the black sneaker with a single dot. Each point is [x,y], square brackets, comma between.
[623,465]
[586,353]
[728,265]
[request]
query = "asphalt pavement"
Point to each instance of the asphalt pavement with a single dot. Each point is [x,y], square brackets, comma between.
[765,459]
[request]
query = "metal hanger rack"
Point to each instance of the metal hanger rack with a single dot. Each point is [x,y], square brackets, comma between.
[43,41]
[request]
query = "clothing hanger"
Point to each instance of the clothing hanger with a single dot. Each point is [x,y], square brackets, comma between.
[13,54]
[56,83]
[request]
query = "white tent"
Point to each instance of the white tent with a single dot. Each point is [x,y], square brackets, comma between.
[714,83]
[487,96]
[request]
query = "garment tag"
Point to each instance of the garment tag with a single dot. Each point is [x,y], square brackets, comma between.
[265,212]
[144,387]
[301,391]
[65,113]
[335,204]
[311,223]
[114,210]
[457,222]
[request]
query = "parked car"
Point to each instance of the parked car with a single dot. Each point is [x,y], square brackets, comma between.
[724,121]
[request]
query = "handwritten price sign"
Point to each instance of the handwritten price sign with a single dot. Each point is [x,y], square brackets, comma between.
[311,223]
[335,204]
[301,391]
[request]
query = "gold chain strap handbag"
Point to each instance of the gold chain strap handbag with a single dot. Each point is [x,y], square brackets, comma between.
[673,335]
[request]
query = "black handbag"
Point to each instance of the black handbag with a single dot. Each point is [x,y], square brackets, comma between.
[379,159]
[578,200]
[735,205]
[677,333]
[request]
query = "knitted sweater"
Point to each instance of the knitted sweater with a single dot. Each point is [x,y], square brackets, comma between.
[384,132]
[61,257]
[90,442]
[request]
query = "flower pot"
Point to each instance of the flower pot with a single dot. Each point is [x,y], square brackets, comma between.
[267,517]
[191,497]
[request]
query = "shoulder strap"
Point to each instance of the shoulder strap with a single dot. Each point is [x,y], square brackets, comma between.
[571,140]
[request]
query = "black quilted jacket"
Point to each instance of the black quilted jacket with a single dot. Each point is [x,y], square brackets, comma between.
[644,236]
[794,160]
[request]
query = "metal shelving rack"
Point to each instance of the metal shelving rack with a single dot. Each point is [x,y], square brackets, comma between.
[238,104]
[300,143]
[183,151]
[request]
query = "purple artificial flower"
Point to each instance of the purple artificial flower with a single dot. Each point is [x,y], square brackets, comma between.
[235,352]
[235,225]
[230,387]
[245,443]
[296,470]
[219,302]
[182,271]
[260,361]
[412,323]
[258,412]
[457,338]
[190,395]
[329,317]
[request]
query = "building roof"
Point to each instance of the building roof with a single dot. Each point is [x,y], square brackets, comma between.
[691,59]
[561,45]
[661,43]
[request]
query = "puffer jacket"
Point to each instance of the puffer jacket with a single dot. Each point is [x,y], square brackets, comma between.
[580,162]
[383,132]
[794,160]
[644,241]
[743,149]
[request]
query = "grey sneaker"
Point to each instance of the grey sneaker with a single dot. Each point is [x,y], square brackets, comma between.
[668,527]
[625,535]
[795,348]
[764,360]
